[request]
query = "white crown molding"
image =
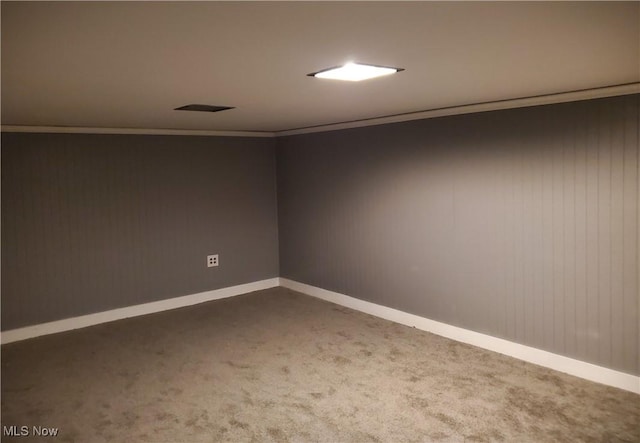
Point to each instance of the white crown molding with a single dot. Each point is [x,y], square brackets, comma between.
[83,321]
[587,94]
[536,356]
[136,131]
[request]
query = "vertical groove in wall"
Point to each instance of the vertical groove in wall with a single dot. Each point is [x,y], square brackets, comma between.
[632,218]
[580,140]
[537,241]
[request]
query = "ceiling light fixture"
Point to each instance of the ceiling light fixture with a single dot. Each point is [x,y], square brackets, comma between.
[354,72]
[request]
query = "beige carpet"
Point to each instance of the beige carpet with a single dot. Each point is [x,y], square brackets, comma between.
[276,365]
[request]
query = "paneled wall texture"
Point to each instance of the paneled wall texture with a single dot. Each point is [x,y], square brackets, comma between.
[96,222]
[521,224]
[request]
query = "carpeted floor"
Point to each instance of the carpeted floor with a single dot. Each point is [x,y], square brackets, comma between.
[280,366]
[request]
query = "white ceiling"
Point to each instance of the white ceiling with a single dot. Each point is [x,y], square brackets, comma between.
[128,65]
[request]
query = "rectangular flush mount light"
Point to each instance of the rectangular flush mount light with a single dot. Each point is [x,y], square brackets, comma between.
[354,72]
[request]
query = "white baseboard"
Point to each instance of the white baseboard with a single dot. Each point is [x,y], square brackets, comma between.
[557,362]
[550,360]
[83,321]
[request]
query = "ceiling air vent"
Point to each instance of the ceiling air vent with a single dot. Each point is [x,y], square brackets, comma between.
[203,108]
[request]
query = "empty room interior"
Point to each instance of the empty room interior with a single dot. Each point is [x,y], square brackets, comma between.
[320,221]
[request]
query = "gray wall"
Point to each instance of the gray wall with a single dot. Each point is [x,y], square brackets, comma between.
[521,224]
[96,222]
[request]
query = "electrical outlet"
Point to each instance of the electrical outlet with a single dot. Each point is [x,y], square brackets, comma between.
[212,260]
